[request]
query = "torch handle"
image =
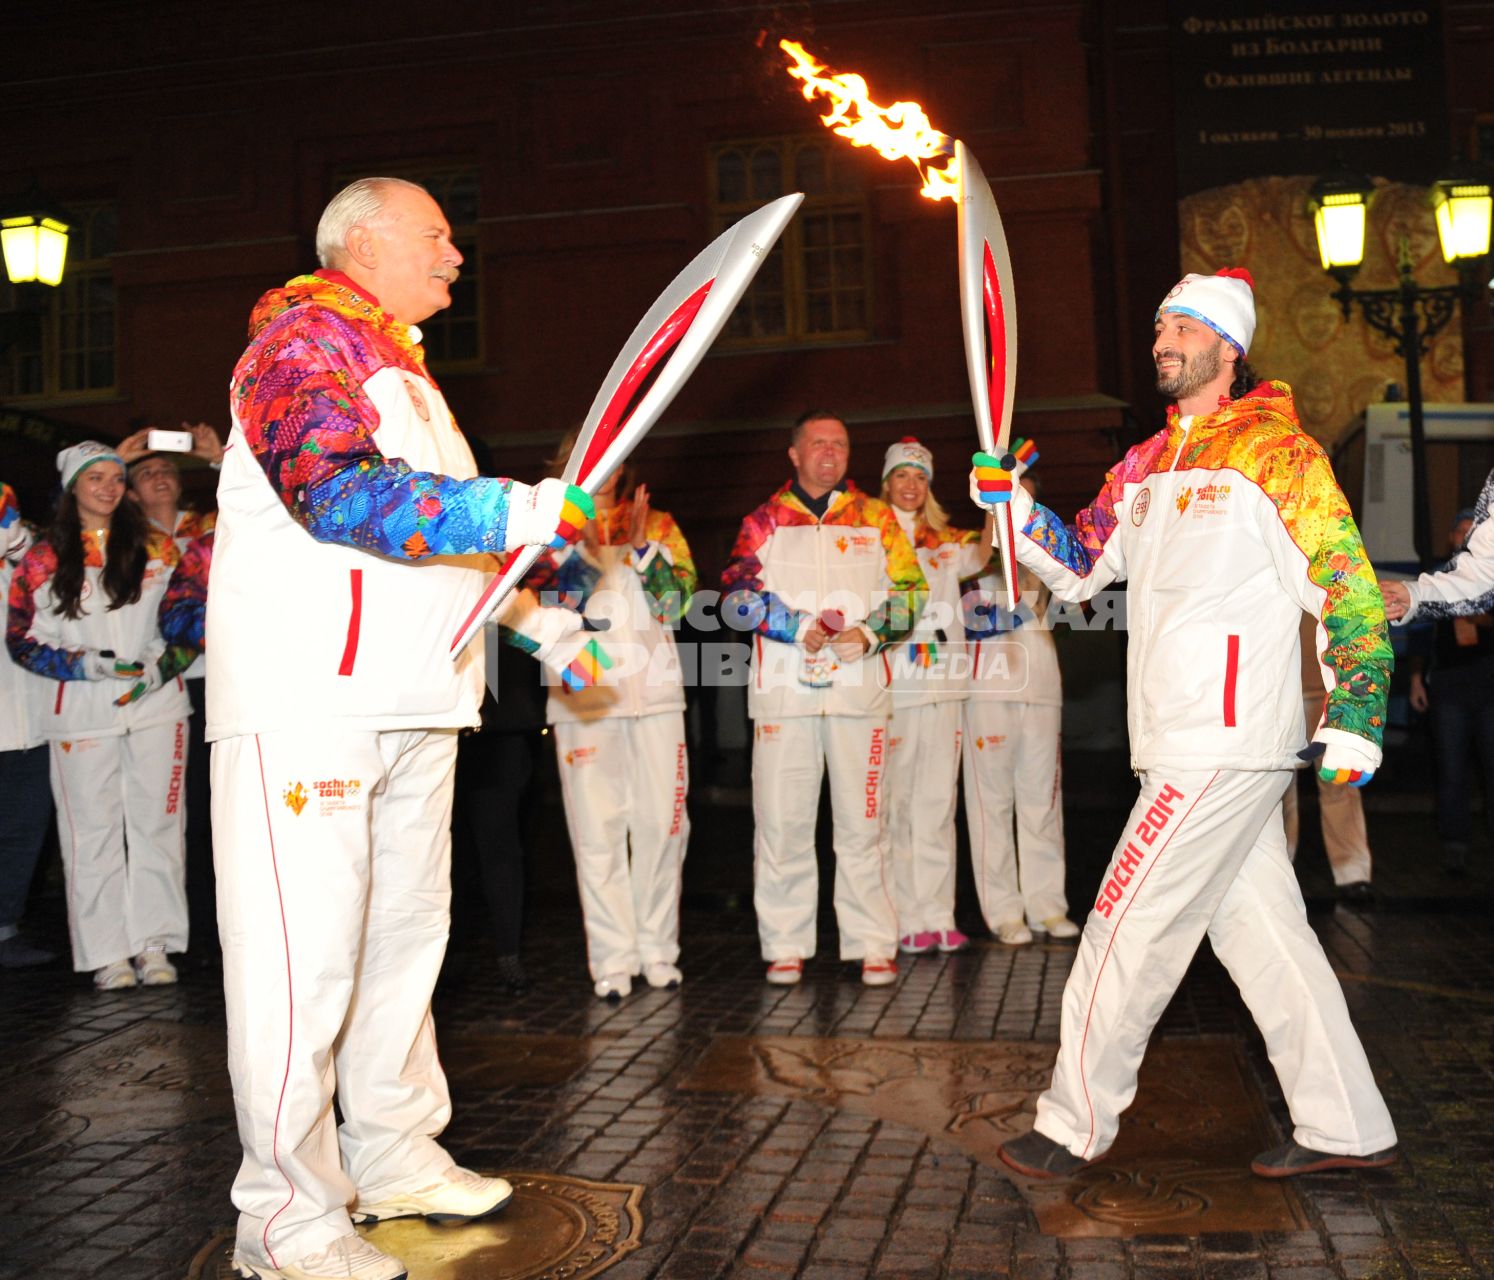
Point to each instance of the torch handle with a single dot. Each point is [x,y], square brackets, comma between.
[494,594]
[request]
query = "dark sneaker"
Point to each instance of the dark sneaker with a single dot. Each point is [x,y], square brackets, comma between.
[1357,893]
[1037,1156]
[17,953]
[1292,1158]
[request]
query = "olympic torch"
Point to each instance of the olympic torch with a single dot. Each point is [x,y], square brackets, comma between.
[666,346]
[990,319]
[903,131]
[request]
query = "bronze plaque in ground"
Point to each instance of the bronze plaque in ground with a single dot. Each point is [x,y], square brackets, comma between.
[555,1228]
[163,1075]
[1181,1165]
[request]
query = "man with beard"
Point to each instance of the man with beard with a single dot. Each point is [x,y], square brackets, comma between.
[1228,523]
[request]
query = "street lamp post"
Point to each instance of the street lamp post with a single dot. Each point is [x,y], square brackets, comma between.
[33,241]
[1410,314]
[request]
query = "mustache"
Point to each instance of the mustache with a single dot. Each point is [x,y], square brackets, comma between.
[449,274]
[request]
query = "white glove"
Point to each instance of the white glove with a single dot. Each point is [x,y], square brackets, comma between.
[548,514]
[149,682]
[545,625]
[1347,758]
[101,664]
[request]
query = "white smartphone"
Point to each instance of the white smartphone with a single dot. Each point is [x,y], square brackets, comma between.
[169,441]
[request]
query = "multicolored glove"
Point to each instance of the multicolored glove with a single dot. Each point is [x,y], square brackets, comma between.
[587,667]
[1343,763]
[149,682]
[924,655]
[992,478]
[101,664]
[551,513]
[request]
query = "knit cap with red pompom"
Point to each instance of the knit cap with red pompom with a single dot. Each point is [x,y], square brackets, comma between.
[1225,301]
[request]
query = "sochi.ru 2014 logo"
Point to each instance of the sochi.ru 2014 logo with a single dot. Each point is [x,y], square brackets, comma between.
[1139,507]
[1184,499]
[296,798]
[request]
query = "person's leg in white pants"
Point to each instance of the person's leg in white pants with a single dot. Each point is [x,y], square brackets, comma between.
[1039,802]
[925,755]
[318,958]
[660,831]
[989,766]
[856,756]
[389,1079]
[1187,839]
[1261,935]
[153,768]
[788,764]
[87,787]
[595,782]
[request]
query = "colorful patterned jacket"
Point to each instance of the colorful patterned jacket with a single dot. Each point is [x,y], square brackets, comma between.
[53,646]
[350,522]
[1226,527]
[641,595]
[787,568]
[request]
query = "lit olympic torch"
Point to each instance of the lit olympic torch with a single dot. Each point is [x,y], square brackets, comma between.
[987,298]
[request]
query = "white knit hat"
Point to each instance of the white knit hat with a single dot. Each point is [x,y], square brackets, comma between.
[1224,301]
[907,452]
[73,461]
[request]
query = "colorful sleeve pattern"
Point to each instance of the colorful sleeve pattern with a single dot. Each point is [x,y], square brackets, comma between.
[300,401]
[30,579]
[1295,474]
[14,536]
[184,606]
[744,598]
[896,616]
[669,575]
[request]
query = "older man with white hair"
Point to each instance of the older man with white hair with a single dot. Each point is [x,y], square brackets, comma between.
[353,534]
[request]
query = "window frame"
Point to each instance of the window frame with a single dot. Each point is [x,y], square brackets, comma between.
[853,201]
[82,267]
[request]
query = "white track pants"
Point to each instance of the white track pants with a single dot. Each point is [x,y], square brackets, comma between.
[922,781]
[333,854]
[1012,767]
[121,809]
[789,758]
[624,780]
[1204,853]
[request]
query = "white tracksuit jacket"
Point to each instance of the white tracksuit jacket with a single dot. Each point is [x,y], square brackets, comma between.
[1225,526]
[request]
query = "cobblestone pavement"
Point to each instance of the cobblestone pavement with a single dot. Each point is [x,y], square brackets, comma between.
[758,1185]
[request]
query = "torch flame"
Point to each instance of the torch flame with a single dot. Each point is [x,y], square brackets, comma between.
[899,132]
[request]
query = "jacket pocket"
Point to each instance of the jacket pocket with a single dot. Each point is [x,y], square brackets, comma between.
[355,622]
[1231,675]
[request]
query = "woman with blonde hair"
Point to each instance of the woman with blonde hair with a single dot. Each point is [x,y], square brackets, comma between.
[929,685]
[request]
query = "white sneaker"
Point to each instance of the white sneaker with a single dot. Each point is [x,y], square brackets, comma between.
[154,969]
[613,986]
[1013,934]
[348,1258]
[662,974]
[460,1196]
[114,977]
[1057,927]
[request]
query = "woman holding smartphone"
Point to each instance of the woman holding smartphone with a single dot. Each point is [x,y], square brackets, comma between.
[83,616]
